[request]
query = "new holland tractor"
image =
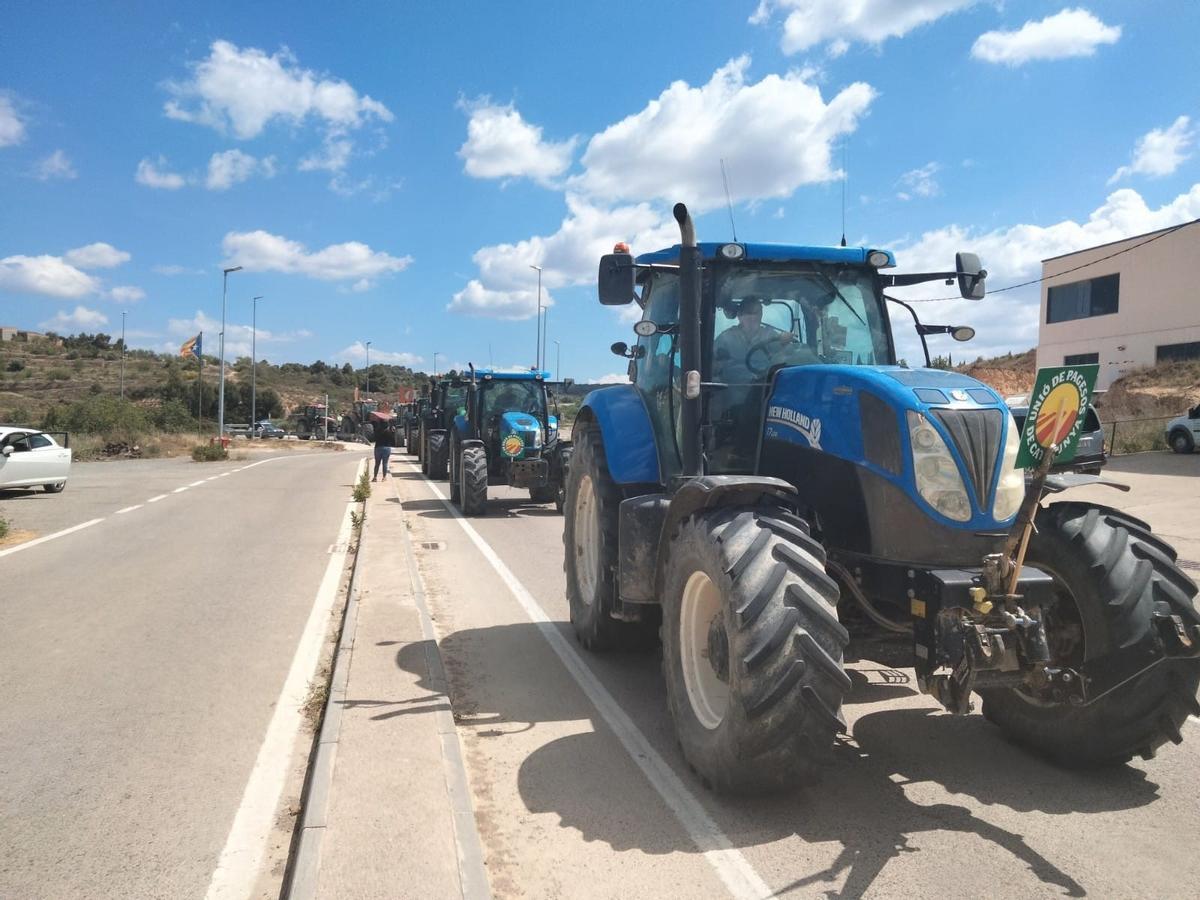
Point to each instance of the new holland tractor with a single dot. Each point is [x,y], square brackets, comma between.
[411,424]
[774,483]
[447,399]
[506,434]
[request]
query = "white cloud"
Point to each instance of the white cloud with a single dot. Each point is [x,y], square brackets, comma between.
[507,287]
[244,90]
[1160,151]
[357,353]
[614,378]
[127,294]
[12,126]
[79,319]
[239,339]
[233,167]
[56,165]
[920,182]
[171,270]
[1009,320]
[50,276]
[153,174]
[811,22]
[333,157]
[261,251]
[501,144]
[774,135]
[96,256]
[1072,32]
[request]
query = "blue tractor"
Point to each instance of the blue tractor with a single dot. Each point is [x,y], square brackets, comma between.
[506,433]
[773,484]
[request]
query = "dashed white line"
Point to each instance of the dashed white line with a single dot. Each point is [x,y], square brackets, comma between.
[50,537]
[121,512]
[156,499]
[180,490]
[197,483]
[212,477]
[739,876]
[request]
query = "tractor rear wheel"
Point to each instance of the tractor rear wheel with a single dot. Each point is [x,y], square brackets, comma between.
[590,550]
[752,649]
[438,452]
[455,474]
[473,480]
[1113,577]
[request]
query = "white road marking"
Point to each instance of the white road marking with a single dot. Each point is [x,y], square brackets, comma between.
[121,512]
[50,537]
[739,877]
[241,859]
[197,483]
[156,499]
[212,477]
[179,490]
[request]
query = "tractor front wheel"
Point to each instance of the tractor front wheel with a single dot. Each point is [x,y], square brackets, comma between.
[1113,578]
[590,550]
[473,480]
[455,474]
[438,452]
[752,649]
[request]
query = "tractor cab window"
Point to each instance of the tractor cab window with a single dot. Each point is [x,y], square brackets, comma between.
[658,365]
[499,397]
[455,399]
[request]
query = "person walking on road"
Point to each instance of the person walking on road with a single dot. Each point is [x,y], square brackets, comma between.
[383,438]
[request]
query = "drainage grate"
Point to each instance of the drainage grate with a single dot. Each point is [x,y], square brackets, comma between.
[1188,564]
[433,545]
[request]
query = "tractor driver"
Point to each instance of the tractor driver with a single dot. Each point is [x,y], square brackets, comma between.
[733,346]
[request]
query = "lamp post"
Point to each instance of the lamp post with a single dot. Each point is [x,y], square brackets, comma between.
[368,367]
[123,355]
[254,365]
[538,347]
[545,334]
[435,356]
[557,361]
[221,389]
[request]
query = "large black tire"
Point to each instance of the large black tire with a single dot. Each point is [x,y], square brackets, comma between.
[439,451]
[1181,441]
[592,498]
[773,641]
[455,473]
[473,473]
[1113,577]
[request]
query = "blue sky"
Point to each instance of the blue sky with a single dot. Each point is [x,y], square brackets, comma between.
[390,171]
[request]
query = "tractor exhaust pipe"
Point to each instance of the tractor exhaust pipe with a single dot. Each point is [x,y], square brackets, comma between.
[689,341]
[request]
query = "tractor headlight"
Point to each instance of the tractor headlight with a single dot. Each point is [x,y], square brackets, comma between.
[935,470]
[537,438]
[1011,489]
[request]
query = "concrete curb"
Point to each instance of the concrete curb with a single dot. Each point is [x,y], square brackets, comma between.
[472,872]
[304,863]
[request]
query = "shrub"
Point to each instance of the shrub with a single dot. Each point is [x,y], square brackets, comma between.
[362,490]
[3,528]
[99,415]
[174,415]
[15,365]
[209,453]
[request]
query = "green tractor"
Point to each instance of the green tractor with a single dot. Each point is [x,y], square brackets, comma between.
[447,399]
[506,434]
[773,485]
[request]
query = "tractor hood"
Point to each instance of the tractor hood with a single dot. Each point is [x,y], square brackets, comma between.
[520,435]
[874,418]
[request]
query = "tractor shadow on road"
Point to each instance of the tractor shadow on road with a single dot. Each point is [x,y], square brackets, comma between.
[499,508]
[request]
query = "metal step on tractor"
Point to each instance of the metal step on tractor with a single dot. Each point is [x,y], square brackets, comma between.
[447,399]
[773,485]
[508,435]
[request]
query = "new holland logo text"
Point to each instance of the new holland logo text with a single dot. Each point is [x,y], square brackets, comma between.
[809,428]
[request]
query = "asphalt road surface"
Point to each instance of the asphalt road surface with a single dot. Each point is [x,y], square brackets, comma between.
[580,790]
[144,662]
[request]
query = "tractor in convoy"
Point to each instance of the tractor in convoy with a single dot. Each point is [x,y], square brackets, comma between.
[506,434]
[773,485]
[358,424]
[313,423]
[410,422]
[447,399]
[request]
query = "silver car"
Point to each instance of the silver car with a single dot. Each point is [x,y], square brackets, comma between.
[1089,454]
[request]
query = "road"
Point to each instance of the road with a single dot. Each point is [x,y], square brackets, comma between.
[150,665]
[580,790]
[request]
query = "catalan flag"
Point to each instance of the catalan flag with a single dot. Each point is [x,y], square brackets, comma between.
[191,347]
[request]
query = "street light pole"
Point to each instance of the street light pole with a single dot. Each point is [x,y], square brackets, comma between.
[221,389]
[123,355]
[545,334]
[254,365]
[538,347]
[435,356]
[557,361]
[368,367]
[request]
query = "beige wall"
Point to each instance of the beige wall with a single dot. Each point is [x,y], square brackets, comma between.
[1159,303]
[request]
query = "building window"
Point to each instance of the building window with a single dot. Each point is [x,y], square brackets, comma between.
[1080,359]
[1177,352]
[1083,299]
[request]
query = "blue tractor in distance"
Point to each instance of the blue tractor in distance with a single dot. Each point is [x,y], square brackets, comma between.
[505,433]
[773,484]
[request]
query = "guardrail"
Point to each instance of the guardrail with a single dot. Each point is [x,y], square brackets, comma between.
[1123,436]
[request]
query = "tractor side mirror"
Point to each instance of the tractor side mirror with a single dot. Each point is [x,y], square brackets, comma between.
[620,348]
[970,276]
[616,279]
[962,332]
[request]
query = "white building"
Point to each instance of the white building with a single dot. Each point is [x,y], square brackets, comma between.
[1133,310]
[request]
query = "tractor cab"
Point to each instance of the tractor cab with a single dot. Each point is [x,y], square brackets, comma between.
[447,399]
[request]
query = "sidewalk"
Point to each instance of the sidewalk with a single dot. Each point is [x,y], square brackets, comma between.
[398,820]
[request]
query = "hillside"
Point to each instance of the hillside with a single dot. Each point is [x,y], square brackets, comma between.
[1010,374]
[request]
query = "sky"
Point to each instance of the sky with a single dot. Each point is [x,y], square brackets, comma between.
[391,172]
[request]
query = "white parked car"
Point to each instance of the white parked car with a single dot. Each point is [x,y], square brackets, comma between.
[30,458]
[1183,433]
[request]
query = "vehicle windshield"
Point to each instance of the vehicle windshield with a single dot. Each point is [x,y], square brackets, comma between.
[513,396]
[819,314]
